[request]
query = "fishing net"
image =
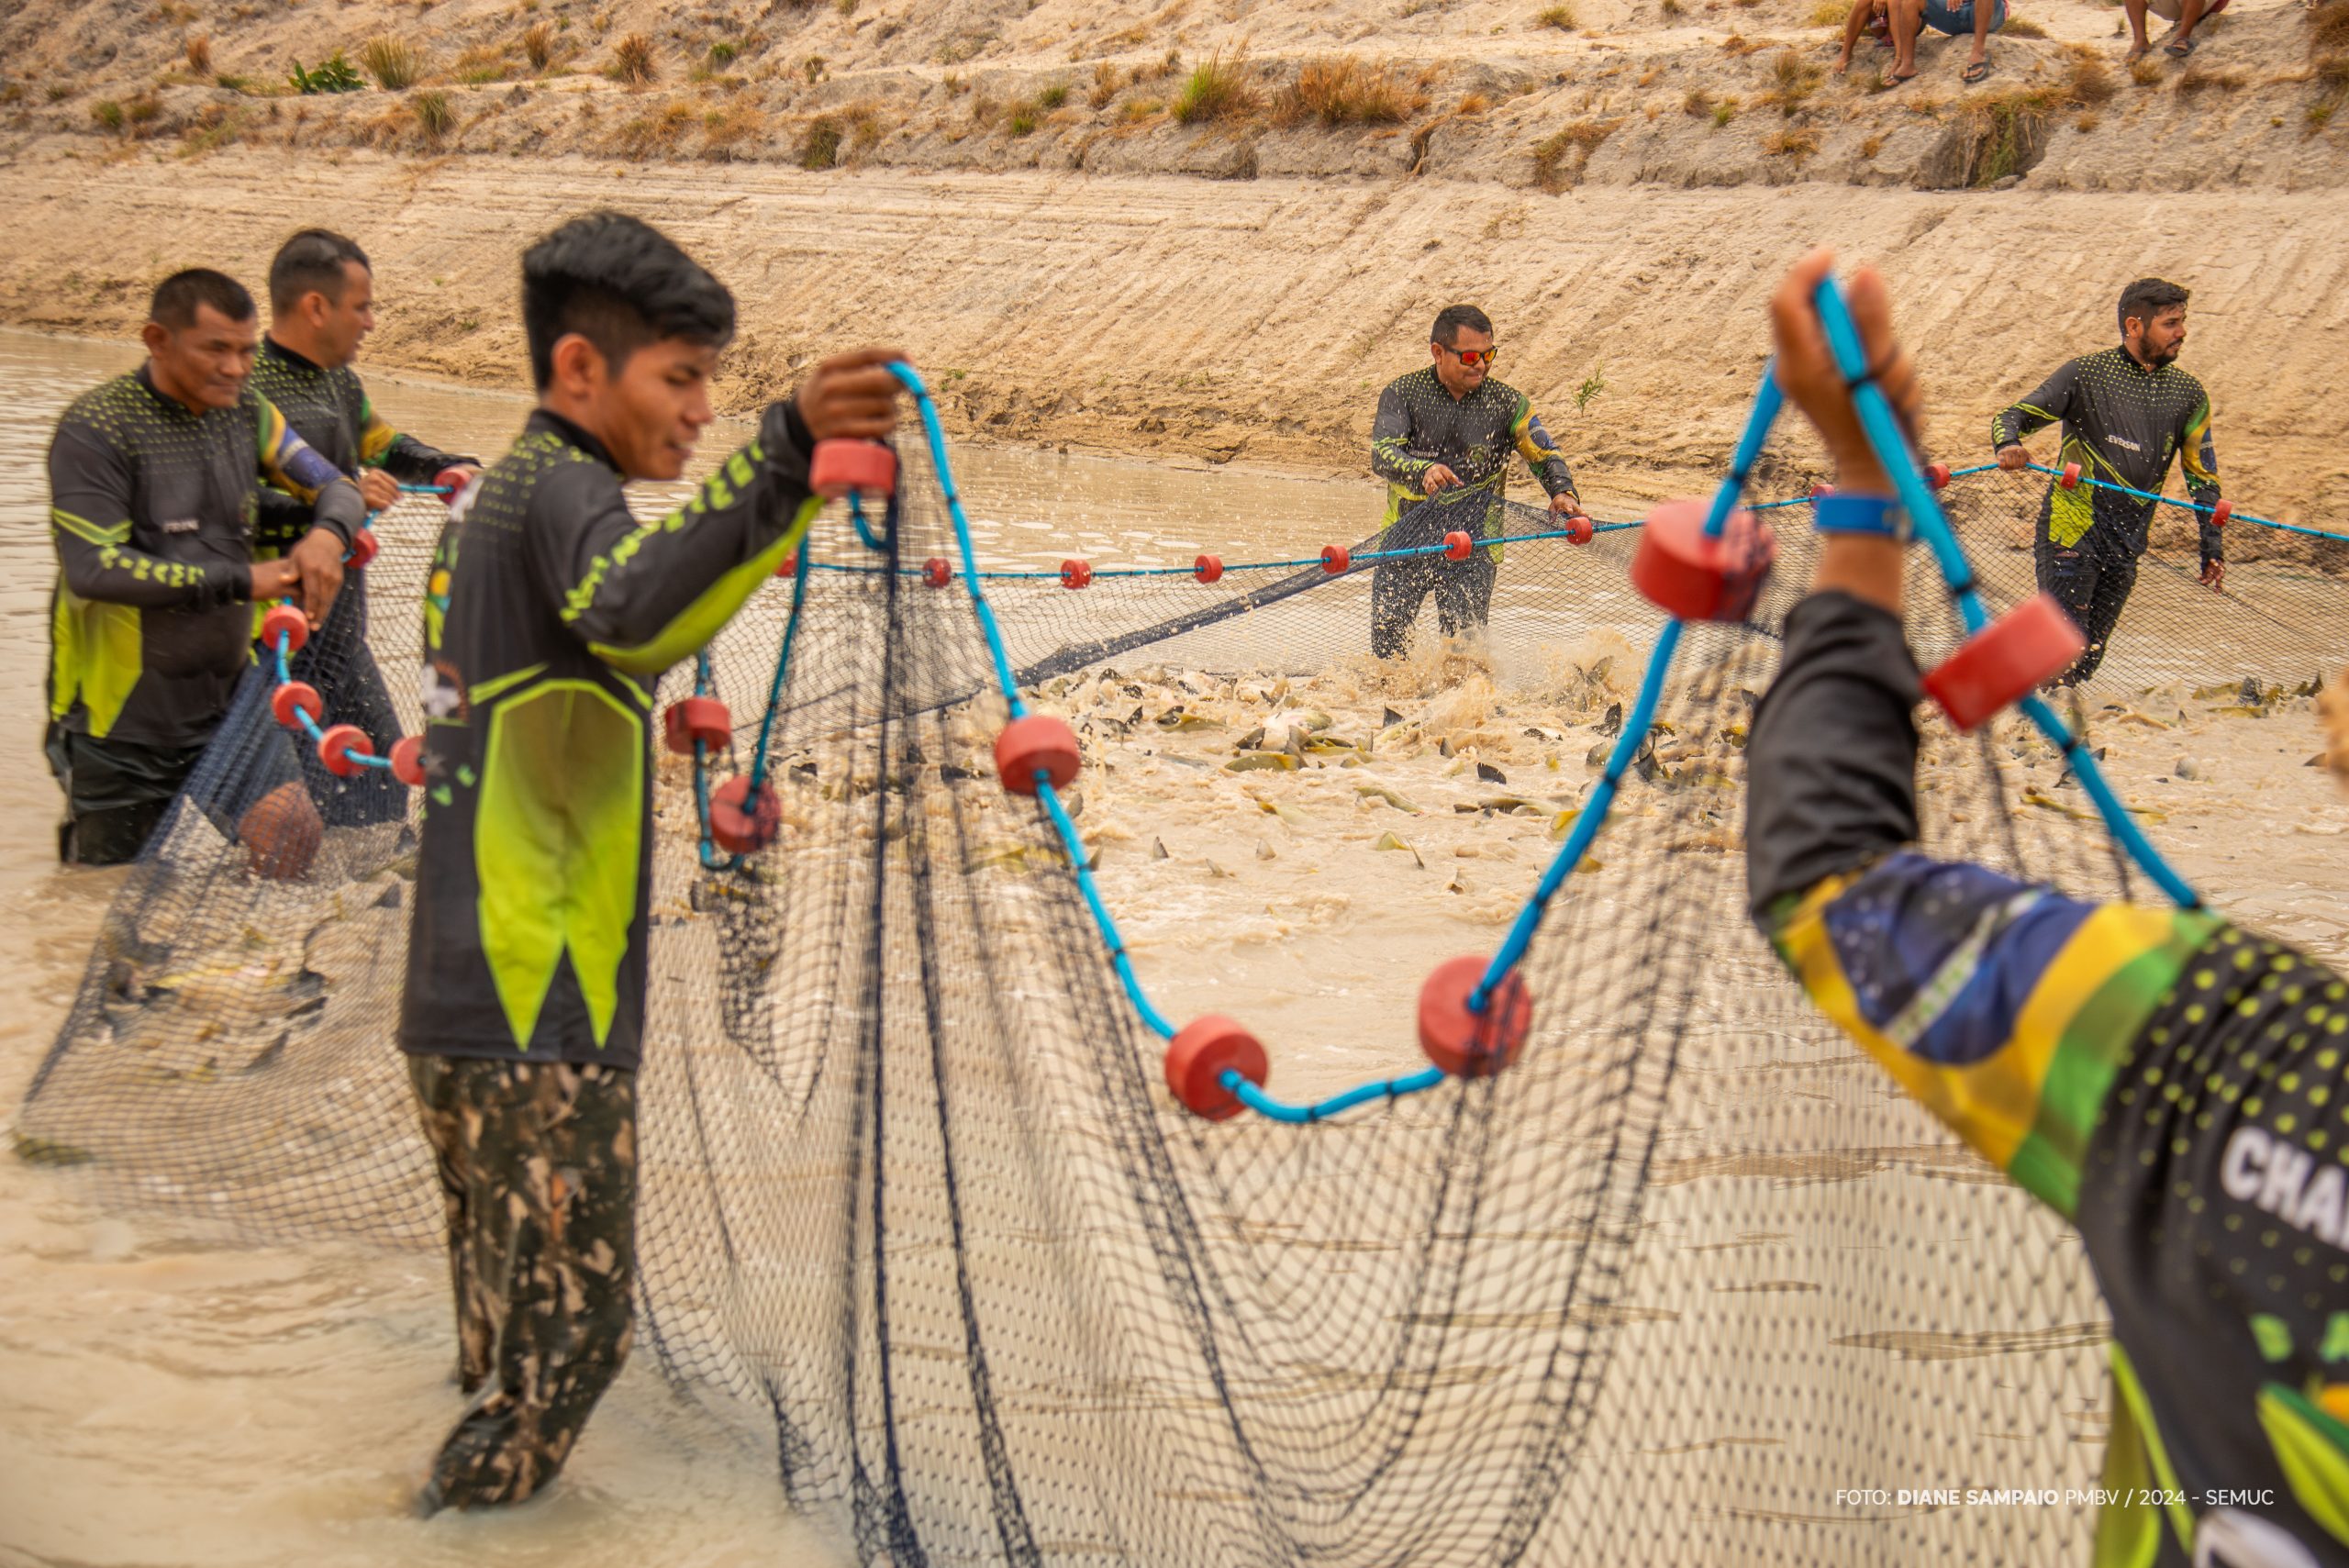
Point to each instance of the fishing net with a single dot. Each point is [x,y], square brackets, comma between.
[919,1209]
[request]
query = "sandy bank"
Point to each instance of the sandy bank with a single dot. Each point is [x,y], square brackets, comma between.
[1255,321]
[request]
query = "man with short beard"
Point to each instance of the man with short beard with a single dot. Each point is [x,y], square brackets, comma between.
[2125,413]
[321,307]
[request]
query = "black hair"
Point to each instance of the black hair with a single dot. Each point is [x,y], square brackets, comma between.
[312,261]
[177,297]
[620,284]
[1452,318]
[2146,298]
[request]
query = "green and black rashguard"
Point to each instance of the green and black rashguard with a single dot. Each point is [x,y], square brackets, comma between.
[151,510]
[2123,423]
[2176,1087]
[1419,424]
[331,410]
[549,616]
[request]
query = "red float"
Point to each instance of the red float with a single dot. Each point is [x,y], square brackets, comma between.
[408,761]
[1036,744]
[2221,512]
[1458,546]
[1937,475]
[451,483]
[689,719]
[2034,642]
[1466,1044]
[788,566]
[842,466]
[341,746]
[1820,492]
[1335,558]
[936,572]
[362,551]
[286,622]
[289,702]
[739,822]
[1694,577]
[1075,573]
[1580,529]
[1201,1052]
[2070,478]
[1208,568]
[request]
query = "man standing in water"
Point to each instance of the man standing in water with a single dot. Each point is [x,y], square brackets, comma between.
[548,617]
[321,306]
[2125,413]
[153,513]
[1442,440]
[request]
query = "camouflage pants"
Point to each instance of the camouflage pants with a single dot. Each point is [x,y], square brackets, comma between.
[538,1168]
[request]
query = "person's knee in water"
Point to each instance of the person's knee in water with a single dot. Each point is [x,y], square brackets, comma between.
[551,612]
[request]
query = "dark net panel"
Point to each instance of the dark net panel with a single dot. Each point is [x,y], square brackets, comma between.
[917,1204]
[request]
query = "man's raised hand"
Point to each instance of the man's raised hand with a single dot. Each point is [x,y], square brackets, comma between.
[850,395]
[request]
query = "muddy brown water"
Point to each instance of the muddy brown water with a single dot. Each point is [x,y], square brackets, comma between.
[168,1397]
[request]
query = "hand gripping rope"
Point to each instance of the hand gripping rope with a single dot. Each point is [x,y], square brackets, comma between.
[342,748]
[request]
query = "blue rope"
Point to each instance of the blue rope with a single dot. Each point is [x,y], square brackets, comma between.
[1070,839]
[2194,506]
[1884,433]
[1636,724]
[309,724]
[1263,1104]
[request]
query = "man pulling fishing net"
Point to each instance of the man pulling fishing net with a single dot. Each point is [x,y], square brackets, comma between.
[549,616]
[2173,1085]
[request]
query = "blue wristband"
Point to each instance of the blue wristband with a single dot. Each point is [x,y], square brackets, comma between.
[1841,513]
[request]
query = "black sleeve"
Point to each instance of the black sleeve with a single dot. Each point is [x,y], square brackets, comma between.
[643,596]
[1831,766]
[90,490]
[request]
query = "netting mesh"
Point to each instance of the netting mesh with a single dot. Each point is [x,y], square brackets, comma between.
[917,1207]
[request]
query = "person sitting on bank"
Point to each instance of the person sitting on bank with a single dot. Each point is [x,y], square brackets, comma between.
[1443,440]
[151,510]
[1900,22]
[2183,17]
[322,306]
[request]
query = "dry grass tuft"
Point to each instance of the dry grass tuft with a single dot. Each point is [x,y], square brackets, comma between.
[1104,85]
[1217,89]
[725,131]
[1834,13]
[199,53]
[1346,92]
[2196,78]
[539,44]
[2023,27]
[435,117]
[820,147]
[1560,158]
[1559,16]
[1794,144]
[2329,28]
[2147,72]
[632,59]
[393,62]
[482,64]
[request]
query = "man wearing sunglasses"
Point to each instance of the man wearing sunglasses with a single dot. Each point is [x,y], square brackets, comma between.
[1443,441]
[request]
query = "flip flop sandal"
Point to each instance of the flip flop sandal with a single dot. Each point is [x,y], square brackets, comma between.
[1977,71]
[2182,48]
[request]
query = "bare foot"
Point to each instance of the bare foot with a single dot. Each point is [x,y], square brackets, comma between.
[1842,63]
